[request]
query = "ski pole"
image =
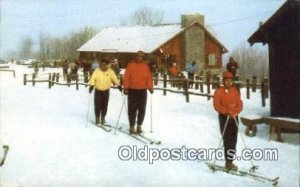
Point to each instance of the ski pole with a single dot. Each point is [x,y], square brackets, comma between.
[151,113]
[88,111]
[254,167]
[226,123]
[124,98]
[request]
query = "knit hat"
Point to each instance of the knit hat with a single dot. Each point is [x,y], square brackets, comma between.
[227,75]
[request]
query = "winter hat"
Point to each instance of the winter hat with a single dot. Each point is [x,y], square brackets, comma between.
[140,53]
[104,61]
[227,75]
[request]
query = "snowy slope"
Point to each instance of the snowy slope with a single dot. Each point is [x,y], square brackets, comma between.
[51,146]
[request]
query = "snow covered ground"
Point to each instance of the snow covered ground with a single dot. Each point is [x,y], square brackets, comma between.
[50,144]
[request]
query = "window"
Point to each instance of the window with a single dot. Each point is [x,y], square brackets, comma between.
[212,61]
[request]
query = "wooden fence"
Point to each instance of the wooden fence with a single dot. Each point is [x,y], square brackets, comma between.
[8,70]
[178,85]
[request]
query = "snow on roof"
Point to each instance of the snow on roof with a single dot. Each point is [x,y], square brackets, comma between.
[131,39]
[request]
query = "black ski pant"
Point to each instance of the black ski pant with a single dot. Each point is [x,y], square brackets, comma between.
[230,136]
[191,79]
[137,100]
[100,103]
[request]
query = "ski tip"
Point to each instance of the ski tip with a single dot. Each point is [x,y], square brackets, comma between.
[275,183]
[5,147]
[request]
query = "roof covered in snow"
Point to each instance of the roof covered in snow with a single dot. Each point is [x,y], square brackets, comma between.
[131,39]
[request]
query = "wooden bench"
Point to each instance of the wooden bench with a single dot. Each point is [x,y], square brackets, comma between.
[250,122]
[277,124]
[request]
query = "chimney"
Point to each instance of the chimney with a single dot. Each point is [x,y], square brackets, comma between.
[188,19]
[193,39]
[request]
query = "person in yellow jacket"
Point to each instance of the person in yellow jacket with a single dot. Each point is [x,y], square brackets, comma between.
[102,79]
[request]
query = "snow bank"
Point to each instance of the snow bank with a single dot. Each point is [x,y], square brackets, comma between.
[50,144]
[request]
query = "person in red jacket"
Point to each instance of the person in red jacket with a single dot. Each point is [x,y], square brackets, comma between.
[137,80]
[232,66]
[227,102]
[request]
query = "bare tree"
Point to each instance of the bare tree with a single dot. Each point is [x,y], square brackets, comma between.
[64,47]
[145,16]
[26,47]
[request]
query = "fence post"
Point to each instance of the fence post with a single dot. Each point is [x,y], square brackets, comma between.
[68,79]
[57,77]
[248,88]
[201,84]
[25,79]
[186,90]
[254,84]
[214,83]
[266,80]
[165,84]
[208,87]
[49,81]
[155,78]
[77,86]
[197,83]
[121,79]
[53,79]
[86,79]
[33,79]
[263,98]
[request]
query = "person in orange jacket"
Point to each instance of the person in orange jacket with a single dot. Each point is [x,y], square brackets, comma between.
[227,102]
[137,80]
[173,70]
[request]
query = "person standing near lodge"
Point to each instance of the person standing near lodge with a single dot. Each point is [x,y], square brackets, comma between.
[191,70]
[232,66]
[227,102]
[115,67]
[102,79]
[173,70]
[95,65]
[137,80]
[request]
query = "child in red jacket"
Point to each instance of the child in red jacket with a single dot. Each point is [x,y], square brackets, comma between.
[228,103]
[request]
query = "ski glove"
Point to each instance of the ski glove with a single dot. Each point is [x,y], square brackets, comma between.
[91,89]
[120,88]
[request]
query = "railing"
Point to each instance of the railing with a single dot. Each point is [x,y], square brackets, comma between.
[177,85]
[3,69]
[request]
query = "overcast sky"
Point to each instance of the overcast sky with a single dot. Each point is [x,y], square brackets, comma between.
[233,21]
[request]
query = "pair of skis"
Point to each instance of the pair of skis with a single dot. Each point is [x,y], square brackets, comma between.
[139,137]
[105,127]
[241,173]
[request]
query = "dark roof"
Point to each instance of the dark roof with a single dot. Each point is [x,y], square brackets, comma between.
[290,9]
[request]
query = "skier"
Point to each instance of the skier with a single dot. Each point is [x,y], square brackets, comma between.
[115,67]
[191,69]
[102,79]
[227,102]
[137,80]
[232,66]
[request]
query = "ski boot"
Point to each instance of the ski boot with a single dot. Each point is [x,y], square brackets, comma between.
[139,129]
[132,130]
[230,166]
